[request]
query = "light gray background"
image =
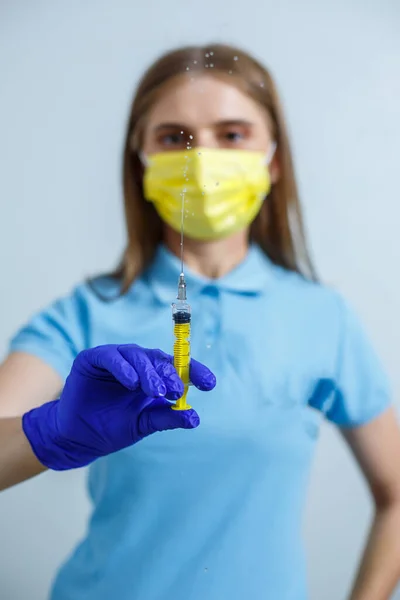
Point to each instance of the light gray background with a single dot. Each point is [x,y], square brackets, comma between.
[67,71]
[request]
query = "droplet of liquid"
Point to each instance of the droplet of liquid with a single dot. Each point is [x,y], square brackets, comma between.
[289,403]
[207,55]
[262,84]
[312,430]
[187,68]
[208,346]
[235,58]
[206,66]
[268,402]
[195,62]
[211,65]
[181,132]
[211,53]
[190,137]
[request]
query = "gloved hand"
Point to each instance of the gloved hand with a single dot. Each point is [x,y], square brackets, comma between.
[113,397]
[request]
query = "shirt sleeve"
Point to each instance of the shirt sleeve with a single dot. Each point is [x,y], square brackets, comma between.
[361,390]
[56,335]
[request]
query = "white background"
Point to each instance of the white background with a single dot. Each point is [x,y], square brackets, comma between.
[67,72]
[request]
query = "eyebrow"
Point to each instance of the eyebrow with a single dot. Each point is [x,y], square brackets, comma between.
[225,122]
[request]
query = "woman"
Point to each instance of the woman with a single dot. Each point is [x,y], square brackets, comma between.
[215,512]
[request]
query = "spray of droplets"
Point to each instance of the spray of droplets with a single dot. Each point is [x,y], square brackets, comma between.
[209,64]
[183,195]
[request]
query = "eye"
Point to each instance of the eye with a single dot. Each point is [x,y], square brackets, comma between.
[233,136]
[172,139]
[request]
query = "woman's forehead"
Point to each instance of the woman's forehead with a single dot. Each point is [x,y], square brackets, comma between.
[203,100]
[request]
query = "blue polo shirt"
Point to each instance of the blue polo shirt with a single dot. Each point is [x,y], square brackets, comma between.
[214,513]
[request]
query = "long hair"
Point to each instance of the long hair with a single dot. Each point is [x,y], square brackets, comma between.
[278,228]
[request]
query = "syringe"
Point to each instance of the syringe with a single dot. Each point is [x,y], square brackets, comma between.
[181,315]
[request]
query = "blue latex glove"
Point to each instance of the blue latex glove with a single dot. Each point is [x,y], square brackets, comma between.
[113,397]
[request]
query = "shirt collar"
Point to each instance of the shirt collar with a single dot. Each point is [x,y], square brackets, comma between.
[250,277]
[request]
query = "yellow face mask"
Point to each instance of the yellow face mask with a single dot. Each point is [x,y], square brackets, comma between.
[221,191]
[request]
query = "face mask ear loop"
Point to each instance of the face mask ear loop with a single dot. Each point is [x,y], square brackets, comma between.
[143,158]
[270,154]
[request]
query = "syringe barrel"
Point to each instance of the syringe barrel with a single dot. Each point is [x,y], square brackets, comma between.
[181,317]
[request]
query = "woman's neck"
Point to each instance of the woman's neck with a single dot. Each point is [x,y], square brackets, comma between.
[212,259]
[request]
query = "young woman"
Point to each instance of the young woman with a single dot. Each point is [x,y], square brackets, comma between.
[210,512]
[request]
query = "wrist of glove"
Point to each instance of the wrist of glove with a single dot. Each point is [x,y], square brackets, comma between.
[53,450]
[114,397]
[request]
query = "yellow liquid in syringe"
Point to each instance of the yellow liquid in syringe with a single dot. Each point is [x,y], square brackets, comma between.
[181,315]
